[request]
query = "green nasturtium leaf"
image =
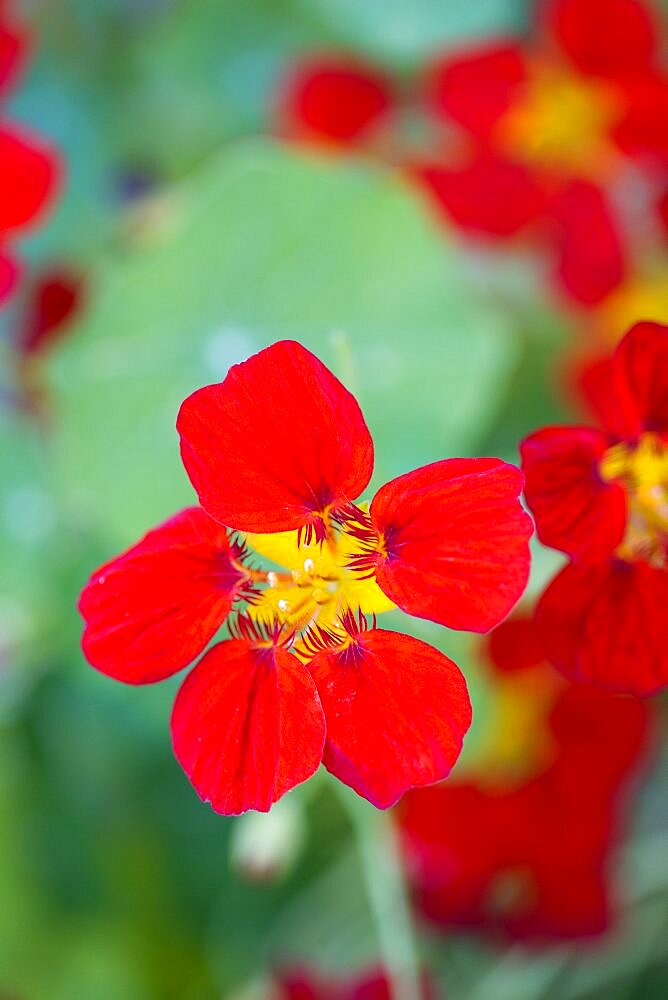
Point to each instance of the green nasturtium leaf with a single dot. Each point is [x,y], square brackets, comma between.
[262,244]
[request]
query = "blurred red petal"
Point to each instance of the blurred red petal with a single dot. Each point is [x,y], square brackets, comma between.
[247,726]
[457,541]
[381,738]
[604,37]
[8,276]
[591,255]
[613,409]
[13,50]
[28,177]
[333,98]
[488,195]
[600,734]
[642,128]
[607,624]
[514,645]
[275,443]
[574,509]
[476,88]
[662,209]
[640,375]
[54,299]
[153,609]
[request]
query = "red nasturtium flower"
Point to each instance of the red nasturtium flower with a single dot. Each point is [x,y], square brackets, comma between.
[279,451]
[28,168]
[518,841]
[303,984]
[601,496]
[552,124]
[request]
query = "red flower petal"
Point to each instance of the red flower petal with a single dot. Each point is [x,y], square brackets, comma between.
[607,402]
[149,612]
[642,129]
[276,443]
[247,726]
[8,276]
[575,510]
[514,645]
[477,88]
[605,37]
[28,176]
[13,50]
[333,98]
[607,624]
[55,298]
[488,195]
[397,711]
[591,255]
[457,541]
[600,736]
[640,376]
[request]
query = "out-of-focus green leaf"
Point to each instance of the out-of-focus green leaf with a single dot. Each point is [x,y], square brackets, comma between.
[423,27]
[261,245]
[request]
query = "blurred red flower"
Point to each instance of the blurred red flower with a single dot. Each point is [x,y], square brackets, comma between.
[279,450]
[601,496]
[303,984]
[551,123]
[520,136]
[527,855]
[29,169]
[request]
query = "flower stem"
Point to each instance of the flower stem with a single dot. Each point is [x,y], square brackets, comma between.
[387,893]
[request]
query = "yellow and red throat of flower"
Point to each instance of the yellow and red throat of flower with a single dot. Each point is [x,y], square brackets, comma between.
[642,469]
[561,122]
[320,579]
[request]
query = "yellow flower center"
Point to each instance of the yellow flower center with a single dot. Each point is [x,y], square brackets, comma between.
[562,121]
[640,299]
[643,471]
[314,584]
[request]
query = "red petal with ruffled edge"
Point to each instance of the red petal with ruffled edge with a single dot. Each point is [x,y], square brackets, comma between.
[54,299]
[604,37]
[276,443]
[333,99]
[456,538]
[575,510]
[28,177]
[591,254]
[640,376]
[607,624]
[478,87]
[247,726]
[514,645]
[397,711]
[489,195]
[152,610]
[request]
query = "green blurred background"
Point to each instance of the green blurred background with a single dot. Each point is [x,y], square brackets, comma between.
[116,881]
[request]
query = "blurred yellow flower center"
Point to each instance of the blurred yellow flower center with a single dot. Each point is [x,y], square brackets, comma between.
[643,471]
[563,121]
[642,298]
[510,740]
[315,583]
